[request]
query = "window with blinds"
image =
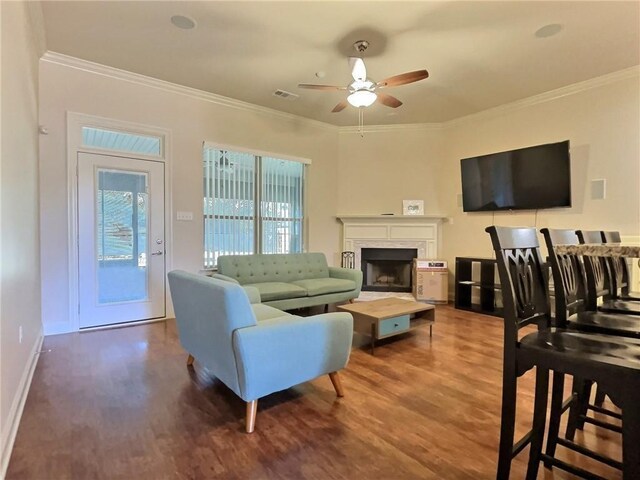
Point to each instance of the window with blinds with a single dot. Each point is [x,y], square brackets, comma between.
[252,204]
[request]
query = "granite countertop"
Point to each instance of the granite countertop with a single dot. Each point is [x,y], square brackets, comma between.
[601,250]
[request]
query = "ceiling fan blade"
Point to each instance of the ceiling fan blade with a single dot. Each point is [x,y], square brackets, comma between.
[339,107]
[403,79]
[358,70]
[388,100]
[320,87]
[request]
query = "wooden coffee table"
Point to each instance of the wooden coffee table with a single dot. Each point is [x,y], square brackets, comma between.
[387,317]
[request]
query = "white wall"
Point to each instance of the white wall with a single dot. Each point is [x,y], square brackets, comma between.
[603,126]
[601,118]
[22,45]
[349,174]
[388,165]
[191,121]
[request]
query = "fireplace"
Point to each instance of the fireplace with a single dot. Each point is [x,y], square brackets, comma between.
[387,269]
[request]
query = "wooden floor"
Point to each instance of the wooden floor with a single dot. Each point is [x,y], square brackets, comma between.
[122,404]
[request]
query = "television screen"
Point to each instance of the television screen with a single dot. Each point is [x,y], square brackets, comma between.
[523,179]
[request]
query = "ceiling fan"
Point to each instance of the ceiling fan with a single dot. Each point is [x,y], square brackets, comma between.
[363,92]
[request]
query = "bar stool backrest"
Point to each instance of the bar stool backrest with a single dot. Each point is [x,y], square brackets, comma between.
[619,270]
[568,275]
[524,287]
[611,237]
[597,270]
[589,236]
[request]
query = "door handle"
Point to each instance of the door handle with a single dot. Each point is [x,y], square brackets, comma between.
[158,252]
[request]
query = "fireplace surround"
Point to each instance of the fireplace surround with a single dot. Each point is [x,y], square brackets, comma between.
[416,232]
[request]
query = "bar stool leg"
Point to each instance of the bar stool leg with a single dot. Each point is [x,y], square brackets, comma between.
[583,400]
[539,421]
[507,423]
[557,391]
[631,436]
[599,397]
[580,389]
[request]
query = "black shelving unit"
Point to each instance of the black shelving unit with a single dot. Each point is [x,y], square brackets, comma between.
[467,282]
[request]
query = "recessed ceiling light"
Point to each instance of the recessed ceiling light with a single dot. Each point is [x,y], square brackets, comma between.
[183,22]
[548,30]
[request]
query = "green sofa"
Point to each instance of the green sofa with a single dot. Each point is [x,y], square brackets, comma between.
[291,281]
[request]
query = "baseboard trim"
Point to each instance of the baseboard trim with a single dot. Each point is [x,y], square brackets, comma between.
[123,325]
[17,406]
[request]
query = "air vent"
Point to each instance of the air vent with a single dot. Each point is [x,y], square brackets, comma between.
[285,94]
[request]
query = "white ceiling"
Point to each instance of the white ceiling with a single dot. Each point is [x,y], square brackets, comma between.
[479,54]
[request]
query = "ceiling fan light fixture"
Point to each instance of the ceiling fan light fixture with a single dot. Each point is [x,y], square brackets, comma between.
[362,98]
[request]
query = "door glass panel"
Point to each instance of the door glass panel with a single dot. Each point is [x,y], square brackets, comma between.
[121,236]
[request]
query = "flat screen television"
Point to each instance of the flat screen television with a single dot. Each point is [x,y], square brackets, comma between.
[523,179]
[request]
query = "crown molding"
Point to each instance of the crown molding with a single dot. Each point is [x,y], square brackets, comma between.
[572,89]
[390,128]
[116,73]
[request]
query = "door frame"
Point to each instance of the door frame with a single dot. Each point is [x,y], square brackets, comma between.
[75,122]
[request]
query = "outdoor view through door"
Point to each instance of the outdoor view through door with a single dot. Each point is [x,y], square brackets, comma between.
[252,204]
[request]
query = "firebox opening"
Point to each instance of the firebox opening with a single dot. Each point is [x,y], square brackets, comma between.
[387,269]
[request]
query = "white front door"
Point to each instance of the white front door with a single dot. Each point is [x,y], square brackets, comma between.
[121,242]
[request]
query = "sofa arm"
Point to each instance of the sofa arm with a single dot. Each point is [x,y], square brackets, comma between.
[347,274]
[283,352]
[254,295]
[219,276]
[252,292]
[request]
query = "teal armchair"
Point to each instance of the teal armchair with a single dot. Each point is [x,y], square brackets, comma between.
[217,325]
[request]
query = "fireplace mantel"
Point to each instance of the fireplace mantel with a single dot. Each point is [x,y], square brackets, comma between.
[421,232]
[429,218]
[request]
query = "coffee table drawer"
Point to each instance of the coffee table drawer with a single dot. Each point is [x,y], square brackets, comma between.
[391,326]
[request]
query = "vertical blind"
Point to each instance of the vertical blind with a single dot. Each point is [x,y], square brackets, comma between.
[252,204]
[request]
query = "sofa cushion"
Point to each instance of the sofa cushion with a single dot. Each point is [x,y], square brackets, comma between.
[265,312]
[278,290]
[322,286]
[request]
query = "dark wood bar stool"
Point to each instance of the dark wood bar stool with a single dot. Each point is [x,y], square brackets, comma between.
[572,307]
[618,283]
[599,280]
[608,360]
[569,278]
[619,271]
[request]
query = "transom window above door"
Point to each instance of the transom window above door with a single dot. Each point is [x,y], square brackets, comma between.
[252,204]
[122,141]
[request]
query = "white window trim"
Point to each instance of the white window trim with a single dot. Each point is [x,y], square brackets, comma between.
[259,153]
[75,122]
[126,153]
[262,153]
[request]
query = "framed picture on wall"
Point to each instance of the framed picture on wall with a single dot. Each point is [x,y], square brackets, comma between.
[413,207]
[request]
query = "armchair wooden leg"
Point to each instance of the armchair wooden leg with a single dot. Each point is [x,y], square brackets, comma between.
[252,409]
[337,384]
[190,360]
[351,300]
